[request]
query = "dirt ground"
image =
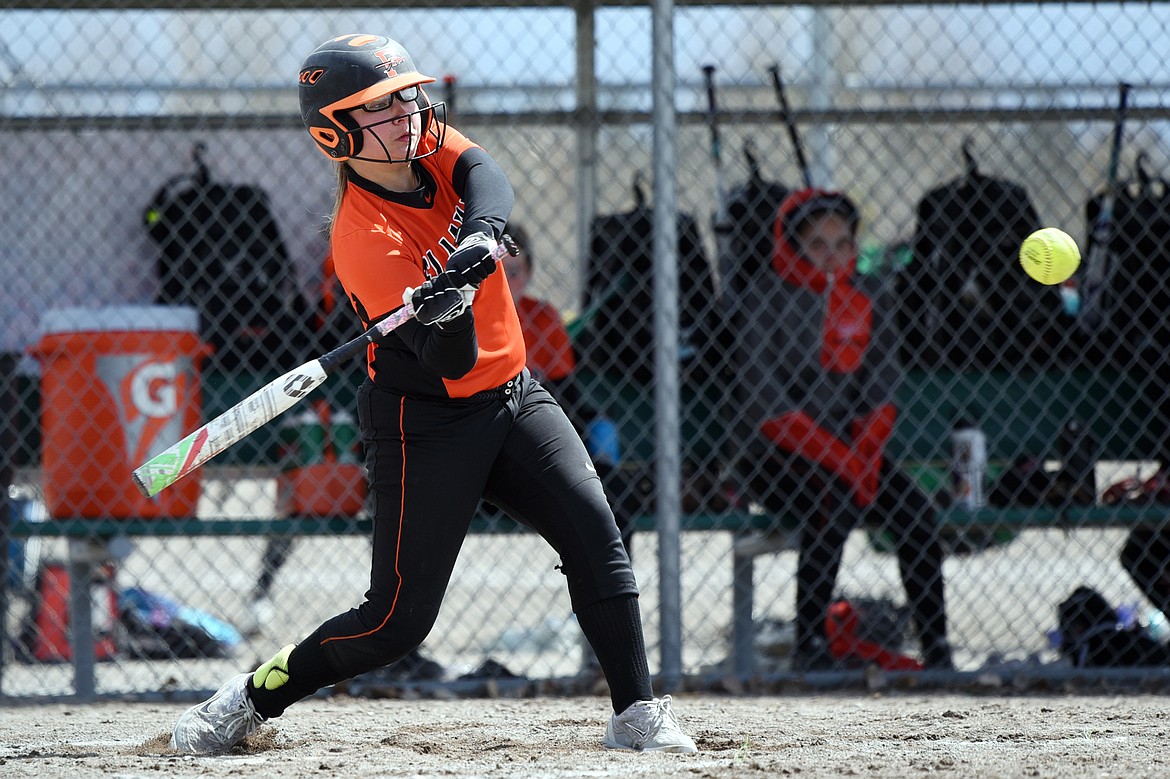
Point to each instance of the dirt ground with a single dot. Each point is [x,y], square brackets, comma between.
[856,734]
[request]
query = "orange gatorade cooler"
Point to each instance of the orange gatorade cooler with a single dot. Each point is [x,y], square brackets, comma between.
[118,386]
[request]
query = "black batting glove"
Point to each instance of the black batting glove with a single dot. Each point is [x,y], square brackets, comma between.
[438,300]
[472,261]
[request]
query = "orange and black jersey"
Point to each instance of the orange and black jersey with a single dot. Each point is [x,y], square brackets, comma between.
[384,242]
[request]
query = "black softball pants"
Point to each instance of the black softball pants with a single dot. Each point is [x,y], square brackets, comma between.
[430,462]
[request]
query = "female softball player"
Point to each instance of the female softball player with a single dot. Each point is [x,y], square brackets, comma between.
[448,414]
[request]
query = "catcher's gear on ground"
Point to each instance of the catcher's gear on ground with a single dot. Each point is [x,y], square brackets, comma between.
[354,71]
[473,261]
[439,300]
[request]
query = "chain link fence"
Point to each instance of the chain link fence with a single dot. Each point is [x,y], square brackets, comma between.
[163,254]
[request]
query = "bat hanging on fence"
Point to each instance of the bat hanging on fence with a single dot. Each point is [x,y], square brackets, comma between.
[786,117]
[266,404]
[720,221]
[1097,263]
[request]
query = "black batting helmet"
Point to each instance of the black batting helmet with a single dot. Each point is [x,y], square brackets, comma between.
[351,71]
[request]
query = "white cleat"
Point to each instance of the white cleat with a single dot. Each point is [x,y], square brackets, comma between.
[219,723]
[648,726]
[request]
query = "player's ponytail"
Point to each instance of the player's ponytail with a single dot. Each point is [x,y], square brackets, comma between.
[339,185]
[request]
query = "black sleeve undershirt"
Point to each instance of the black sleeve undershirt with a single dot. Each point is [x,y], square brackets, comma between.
[450,349]
[487,195]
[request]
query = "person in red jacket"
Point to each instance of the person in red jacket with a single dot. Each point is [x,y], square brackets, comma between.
[816,354]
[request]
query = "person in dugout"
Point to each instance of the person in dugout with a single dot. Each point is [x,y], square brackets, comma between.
[549,350]
[817,377]
[448,415]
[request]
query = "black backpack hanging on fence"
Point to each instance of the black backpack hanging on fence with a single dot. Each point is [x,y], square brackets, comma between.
[220,251]
[1135,295]
[619,335]
[751,215]
[964,301]
[745,252]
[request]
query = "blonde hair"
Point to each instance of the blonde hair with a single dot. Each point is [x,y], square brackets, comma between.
[339,185]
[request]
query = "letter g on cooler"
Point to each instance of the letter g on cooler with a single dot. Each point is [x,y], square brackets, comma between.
[148,391]
[152,389]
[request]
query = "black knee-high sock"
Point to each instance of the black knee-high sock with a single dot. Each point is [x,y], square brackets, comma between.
[613,628]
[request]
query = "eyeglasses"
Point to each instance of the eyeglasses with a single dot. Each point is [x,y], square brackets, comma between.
[407,95]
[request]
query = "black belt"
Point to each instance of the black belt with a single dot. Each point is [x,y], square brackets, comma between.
[501,392]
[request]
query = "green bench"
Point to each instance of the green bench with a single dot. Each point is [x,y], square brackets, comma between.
[1021,414]
[88,531]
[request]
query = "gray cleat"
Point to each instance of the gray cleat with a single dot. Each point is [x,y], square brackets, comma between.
[219,723]
[648,726]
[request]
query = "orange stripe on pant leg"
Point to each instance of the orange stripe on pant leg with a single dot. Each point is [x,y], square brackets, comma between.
[398,546]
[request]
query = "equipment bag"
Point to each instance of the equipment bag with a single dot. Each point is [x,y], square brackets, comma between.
[965,303]
[220,251]
[620,293]
[160,627]
[751,215]
[1135,295]
[1091,635]
[745,252]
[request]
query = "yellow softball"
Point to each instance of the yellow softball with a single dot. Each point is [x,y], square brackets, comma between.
[1050,255]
